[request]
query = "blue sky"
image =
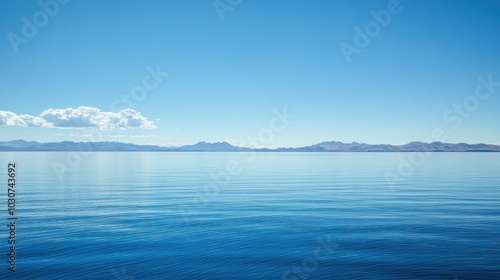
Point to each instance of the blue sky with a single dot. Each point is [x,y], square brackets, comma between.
[227,75]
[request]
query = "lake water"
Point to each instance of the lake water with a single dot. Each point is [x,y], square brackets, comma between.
[264,216]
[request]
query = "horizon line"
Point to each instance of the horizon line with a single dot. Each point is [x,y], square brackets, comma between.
[253,148]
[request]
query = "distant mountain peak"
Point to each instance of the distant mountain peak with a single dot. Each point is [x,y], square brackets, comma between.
[206,146]
[203,143]
[19,143]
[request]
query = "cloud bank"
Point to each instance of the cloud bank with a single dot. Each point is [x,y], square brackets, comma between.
[81,117]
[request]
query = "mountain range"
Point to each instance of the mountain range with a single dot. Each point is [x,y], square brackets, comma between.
[331,146]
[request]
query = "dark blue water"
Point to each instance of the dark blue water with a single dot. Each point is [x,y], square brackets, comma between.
[265,216]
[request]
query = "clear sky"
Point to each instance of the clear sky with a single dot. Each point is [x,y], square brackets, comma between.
[68,67]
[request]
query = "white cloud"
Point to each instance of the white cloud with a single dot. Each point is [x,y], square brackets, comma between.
[81,117]
[9,118]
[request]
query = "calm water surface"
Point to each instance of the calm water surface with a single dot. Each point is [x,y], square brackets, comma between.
[264,216]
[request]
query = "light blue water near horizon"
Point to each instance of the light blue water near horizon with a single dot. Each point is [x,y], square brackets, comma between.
[160,216]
